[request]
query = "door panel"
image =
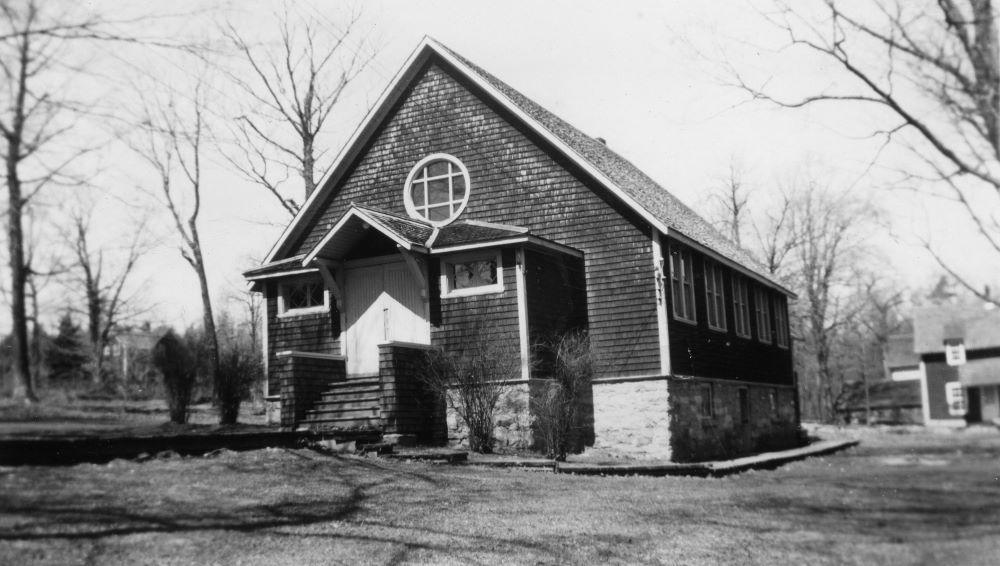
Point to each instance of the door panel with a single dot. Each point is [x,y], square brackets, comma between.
[383,304]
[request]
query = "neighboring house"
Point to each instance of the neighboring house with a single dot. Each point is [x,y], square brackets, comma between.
[128,351]
[459,204]
[959,349]
[901,362]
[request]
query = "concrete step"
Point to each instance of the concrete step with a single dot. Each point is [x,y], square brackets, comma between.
[335,404]
[336,412]
[351,395]
[320,423]
[359,383]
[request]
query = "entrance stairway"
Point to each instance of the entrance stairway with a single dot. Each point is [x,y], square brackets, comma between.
[352,404]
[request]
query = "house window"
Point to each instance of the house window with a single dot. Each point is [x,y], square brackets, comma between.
[302,296]
[781,322]
[761,311]
[715,296]
[707,400]
[744,405]
[471,274]
[955,397]
[741,306]
[682,284]
[437,189]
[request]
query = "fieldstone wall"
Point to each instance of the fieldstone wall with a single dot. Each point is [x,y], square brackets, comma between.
[272,411]
[303,379]
[722,435]
[632,418]
[513,422]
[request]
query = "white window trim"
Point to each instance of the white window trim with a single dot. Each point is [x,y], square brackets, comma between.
[781,330]
[411,208]
[762,310]
[716,298]
[284,312]
[447,292]
[681,254]
[741,306]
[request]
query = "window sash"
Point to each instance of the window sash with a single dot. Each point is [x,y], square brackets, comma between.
[715,299]
[682,285]
[741,306]
[761,309]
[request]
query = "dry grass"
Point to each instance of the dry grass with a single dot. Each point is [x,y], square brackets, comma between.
[899,499]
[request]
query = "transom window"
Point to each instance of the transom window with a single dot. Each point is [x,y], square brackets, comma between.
[302,296]
[763,315]
[682,284]
[437,189]
[715,297]
[471,274]
[741,306]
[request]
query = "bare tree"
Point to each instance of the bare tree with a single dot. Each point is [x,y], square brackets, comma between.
[102,283]
[934,67]
[173,132]
[832,235]
[295,88]
[729,200]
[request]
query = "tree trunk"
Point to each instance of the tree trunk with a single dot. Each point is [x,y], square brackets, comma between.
[21,367]
[208,319]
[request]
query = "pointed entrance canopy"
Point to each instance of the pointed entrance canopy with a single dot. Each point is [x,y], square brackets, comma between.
[663,211]
[418,236]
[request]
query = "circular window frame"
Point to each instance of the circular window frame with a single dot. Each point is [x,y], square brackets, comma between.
[411,208]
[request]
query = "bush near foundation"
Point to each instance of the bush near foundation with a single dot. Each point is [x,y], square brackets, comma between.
[474,380]
[556,405]
[239,368]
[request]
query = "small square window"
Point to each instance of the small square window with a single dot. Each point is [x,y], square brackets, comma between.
[471,274]
[302,296]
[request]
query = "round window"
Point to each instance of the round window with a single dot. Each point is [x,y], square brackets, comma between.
[437,189]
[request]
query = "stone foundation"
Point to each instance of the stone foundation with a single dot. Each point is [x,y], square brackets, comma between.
[632,418]
[272,410]
[722,435]
[513,423]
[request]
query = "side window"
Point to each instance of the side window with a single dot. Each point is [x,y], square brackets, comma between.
[762,311]
[715,297]
[955,397]
[302,296]
[741,306]
[471,274]
[781,321]
[682,284]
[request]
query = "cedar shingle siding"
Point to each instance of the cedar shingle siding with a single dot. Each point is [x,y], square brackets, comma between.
[513,181]
[316,332]
[695,349]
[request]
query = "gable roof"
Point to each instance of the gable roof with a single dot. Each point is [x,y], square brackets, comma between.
[638,191]
[978,327]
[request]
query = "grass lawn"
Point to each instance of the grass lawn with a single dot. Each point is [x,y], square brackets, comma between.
[917,498]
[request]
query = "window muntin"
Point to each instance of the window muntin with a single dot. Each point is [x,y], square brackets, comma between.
[437,189]
[954,395]
[781,322]
[682,284]
[741,306]
[471,274]
[715,299]
[762,313]
[302,296]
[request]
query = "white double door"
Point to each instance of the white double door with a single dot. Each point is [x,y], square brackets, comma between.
[383,304]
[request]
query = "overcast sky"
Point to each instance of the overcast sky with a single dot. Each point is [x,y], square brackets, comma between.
[646,76]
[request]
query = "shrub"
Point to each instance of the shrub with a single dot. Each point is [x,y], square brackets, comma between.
[174,360]
[239,367]
[556,403]
[475,380]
